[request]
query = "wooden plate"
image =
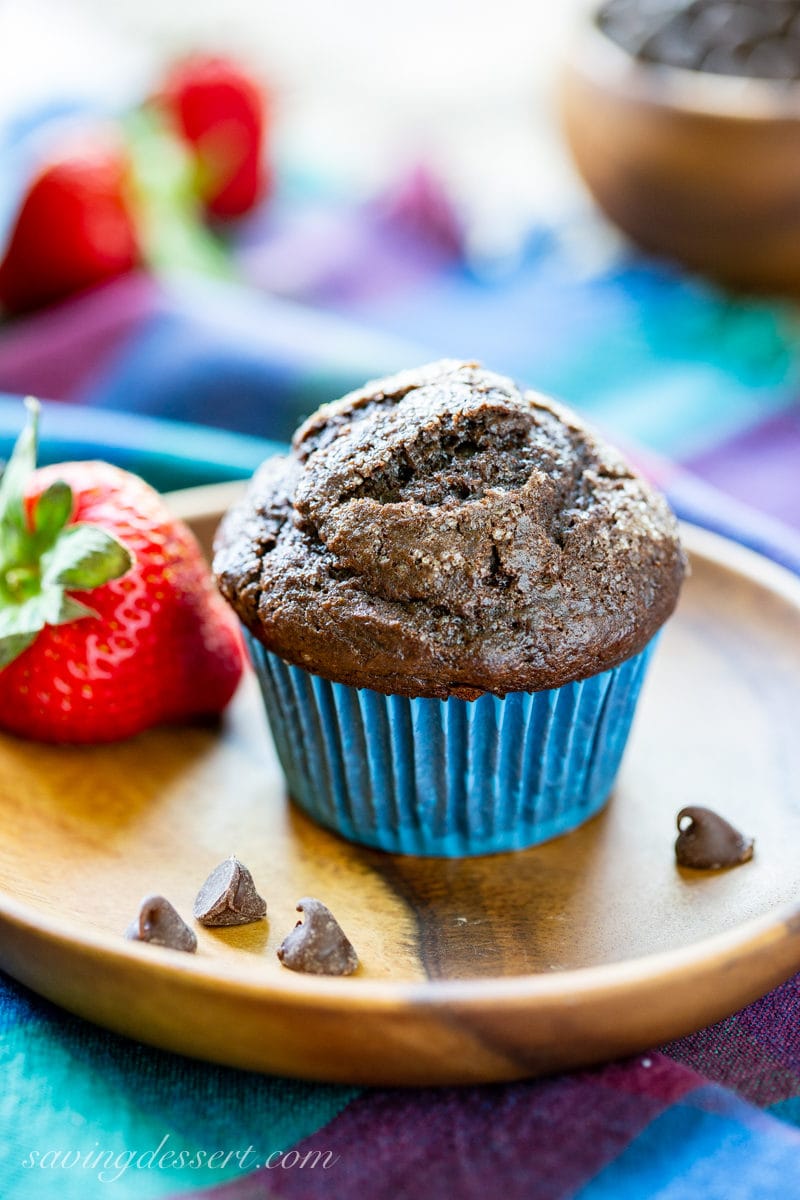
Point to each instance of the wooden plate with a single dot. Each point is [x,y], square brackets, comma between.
[486,969]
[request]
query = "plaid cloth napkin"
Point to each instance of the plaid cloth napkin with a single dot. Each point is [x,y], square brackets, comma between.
[322,295]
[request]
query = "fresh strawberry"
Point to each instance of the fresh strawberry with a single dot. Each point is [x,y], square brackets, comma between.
[220,110]
[109,621]
[75,228]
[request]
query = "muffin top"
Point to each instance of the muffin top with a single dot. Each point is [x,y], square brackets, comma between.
[442,532]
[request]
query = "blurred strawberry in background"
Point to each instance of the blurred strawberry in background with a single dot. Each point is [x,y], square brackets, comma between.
[140,190]
[76,225]
[221,111]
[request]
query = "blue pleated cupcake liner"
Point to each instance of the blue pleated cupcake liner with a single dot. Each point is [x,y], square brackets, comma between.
[449,777]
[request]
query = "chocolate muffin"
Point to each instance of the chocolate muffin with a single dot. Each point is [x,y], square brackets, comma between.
[445,538]
[444,533]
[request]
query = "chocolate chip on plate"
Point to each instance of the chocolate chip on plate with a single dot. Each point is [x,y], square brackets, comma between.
[159,923]
[318,945]
[707,842]
[229,896]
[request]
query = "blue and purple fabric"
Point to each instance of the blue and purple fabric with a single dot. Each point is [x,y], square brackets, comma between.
[321,295]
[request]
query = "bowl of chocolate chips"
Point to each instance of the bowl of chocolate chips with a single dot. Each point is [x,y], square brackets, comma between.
[683,117]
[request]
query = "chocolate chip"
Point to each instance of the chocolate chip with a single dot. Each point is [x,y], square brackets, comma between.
[726,60]
[775,58]
[229,896]
[672,44]
[159,923]
[741,37]
[317,945]
[706,842]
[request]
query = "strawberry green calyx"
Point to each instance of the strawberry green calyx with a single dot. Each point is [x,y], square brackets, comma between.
[42,556]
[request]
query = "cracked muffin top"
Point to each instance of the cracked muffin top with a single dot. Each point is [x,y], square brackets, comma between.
[442,532]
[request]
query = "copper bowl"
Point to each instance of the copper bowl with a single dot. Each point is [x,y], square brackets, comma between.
[698,167]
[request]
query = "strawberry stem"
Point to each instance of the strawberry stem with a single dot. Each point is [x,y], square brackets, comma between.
[42,558]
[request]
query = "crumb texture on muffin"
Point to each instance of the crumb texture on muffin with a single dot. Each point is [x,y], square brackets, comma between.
[444,532]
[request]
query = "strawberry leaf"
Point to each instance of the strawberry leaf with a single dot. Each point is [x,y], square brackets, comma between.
[19,467]
[85,557]
[12,646]
[53,510]
[31,615]
[71,610]
[13,525]
[174,234]
[21,623]
[42,558]
[26,618]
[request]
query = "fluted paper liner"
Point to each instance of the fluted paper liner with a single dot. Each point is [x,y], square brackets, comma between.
[449,777]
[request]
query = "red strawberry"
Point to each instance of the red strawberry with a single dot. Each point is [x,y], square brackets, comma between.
[109,621]
[220,110]
[75,227]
